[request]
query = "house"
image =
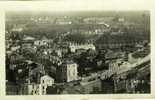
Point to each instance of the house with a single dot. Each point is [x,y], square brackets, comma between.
[46,81]
[40,43]
[15,48]
[74,47]
[37,88]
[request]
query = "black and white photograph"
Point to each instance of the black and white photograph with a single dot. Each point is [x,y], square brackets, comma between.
[77,52]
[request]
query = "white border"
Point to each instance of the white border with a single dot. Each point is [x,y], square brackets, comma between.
[75,5]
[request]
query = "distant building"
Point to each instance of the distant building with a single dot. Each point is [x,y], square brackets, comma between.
[40,43]
[74,47]
[63,21]
[43,42]
[67,72]
[26,45]
[57,52]
[96,20]
[115,45]
[121,19]
[28,38]
[15,48]
[17,29]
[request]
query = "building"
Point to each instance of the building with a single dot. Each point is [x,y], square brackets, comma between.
[12,88]
[74,47]
[28,38]
[34,89]
[121,19]
[63,21]
[94,87]
[27,42]
[43,42]
[46,81]
[15,48]
[119,65]
[40,43]
[67,72]
[17,29]
[37,88]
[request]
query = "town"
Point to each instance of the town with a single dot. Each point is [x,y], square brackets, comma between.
[77,53]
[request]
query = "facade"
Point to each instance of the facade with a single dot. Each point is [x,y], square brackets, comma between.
[40,43]
[34,89]
[46,81]
[43,42]
[17,29]
[67,72]
[119,65]
[28,38]
[15,48]
[37,88]
[74,47]
[12,89]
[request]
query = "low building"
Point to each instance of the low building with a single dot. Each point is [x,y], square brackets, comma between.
[15,48]
[94,87]
[40,43]
[34,89]
[17,29]
[44,41]
[74,47]
[26,45]
[119,66]
[37,88]
[12,88]
[46,81]
[63,21]
[28,38]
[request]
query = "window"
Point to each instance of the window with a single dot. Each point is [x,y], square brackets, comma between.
[73,72]
[33,86]
[43,92]
[35,92]
[32,92]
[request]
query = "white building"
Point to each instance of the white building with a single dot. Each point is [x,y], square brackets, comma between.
[121,19]
[40,89]
[43,42]
[46,81]
[34,89]
[15,48]
[29,38]
[40,43]
[17,29]
[74,47]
